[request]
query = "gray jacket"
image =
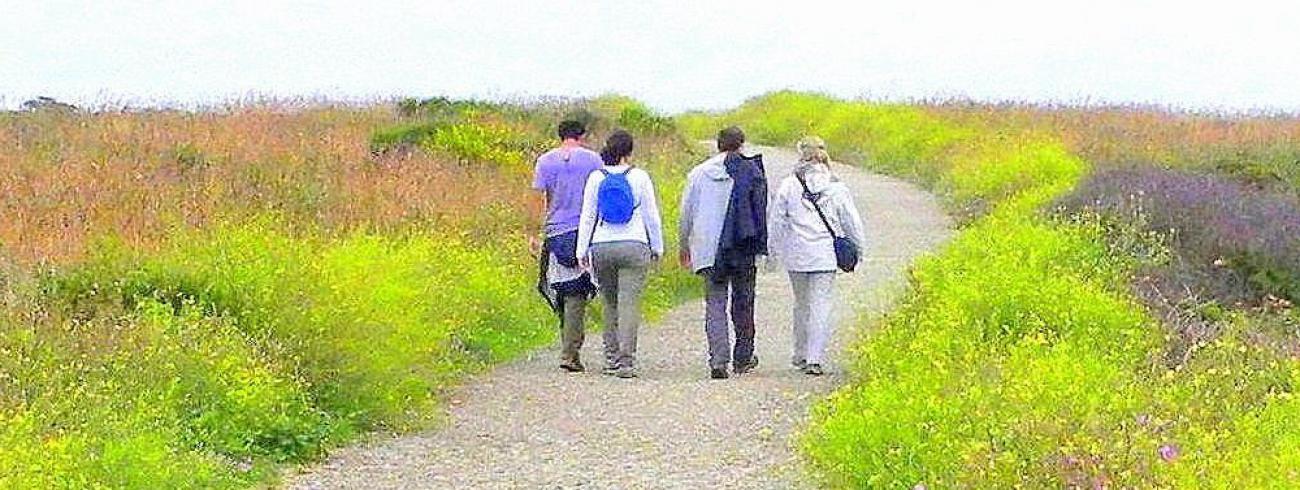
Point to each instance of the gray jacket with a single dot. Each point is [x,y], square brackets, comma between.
[704,209]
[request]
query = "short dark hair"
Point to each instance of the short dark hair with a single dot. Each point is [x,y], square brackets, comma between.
[617,147]
[731,138]
[571,129]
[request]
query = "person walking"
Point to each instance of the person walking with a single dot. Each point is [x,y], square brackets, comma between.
[620,235]
[723,231]
[810,210]
[561,175]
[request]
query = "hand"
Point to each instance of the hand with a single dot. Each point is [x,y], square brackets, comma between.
[584,263]
[684,258]
[534,246]
[770,265]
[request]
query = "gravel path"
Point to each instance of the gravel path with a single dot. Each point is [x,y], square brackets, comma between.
[529,425]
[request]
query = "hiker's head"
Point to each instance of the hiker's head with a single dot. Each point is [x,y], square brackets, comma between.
[617,147]
[571,129]
[730,139]
[813,150]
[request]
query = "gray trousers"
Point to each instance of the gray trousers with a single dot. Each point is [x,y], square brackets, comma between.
[738,286]
[574,331]
[813,297]
[620,270]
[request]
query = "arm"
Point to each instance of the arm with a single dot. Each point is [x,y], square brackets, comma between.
[650,216]
[542,184]
[686,222]
[852,222]
[587,220]
[778,220]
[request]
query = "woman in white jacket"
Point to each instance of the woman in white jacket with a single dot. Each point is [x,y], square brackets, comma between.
[801,241]
[619,253]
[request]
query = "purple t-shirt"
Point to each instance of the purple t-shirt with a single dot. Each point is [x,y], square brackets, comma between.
[563,180]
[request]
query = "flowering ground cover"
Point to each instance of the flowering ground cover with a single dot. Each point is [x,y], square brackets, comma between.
[1022,355]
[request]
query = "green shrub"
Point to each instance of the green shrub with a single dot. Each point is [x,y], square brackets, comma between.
[406,135]
[1019,355]
[152,398]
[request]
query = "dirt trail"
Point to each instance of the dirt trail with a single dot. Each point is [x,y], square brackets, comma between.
[529,425]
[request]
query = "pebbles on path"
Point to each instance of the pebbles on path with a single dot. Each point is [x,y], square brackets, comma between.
[530,425]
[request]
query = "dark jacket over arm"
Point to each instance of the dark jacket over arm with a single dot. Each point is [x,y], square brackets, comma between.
[744,232]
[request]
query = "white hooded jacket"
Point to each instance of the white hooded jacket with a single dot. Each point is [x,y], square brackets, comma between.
[796,235]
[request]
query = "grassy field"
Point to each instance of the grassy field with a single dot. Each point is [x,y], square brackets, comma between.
[192,299]
[197,299]
[1043,347]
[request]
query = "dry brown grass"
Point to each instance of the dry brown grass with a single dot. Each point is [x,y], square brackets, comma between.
[66,180]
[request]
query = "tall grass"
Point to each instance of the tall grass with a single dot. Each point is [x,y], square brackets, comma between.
[1021,358]
[191,299]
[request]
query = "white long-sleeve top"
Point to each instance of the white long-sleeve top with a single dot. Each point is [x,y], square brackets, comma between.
[797,236]
[646,226]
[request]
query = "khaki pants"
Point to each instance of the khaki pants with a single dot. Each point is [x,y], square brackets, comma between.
[574,328]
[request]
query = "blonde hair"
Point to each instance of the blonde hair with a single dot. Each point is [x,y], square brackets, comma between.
[812,149]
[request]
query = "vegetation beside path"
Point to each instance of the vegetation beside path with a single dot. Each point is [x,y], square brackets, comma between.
[1026,353]
[191,299]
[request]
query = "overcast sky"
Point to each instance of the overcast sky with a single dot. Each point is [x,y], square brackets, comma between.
[673,54]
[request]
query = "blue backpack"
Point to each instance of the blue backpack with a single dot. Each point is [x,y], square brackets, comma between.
[614,201]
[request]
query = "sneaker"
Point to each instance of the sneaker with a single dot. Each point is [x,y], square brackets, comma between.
[626,373]
[747,366]
[718,373]
[574,366]
[799,364]
[610,370]
[814,370]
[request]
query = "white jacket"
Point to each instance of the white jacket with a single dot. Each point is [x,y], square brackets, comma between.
[645,225]
[796,235]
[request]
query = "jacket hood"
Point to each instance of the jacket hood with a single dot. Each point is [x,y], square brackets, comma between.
[715,167]
[817,176]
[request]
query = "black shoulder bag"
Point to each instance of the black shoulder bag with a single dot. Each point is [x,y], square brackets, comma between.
[846,252]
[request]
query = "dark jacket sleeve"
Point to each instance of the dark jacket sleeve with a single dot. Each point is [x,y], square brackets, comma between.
[758,202]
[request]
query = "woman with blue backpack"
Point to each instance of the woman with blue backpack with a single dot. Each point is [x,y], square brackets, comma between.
[620,234]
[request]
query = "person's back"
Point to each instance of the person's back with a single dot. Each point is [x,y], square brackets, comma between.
[804,243]
[723,228]
[809,210]
[619,236]
[561,175]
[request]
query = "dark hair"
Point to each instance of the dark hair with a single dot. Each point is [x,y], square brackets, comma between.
[730,139]
[617,147]
[571,129]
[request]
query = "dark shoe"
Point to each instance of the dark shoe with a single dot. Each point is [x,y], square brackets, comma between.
[813,370]
[626,372]
[610,370]
[747,366]
[573,366]
[800,364]
[719,373]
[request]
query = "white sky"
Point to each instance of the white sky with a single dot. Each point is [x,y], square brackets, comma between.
[673,54]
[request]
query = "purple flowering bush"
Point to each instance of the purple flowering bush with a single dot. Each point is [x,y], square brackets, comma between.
[1232,235]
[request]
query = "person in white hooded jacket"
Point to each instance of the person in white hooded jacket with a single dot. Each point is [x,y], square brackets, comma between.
[800,240]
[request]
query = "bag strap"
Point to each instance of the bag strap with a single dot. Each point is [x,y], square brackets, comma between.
[807,194]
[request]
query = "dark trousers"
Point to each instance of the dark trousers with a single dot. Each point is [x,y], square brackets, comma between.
[739,285]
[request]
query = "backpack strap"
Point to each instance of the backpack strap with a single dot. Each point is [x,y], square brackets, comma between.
[807,194]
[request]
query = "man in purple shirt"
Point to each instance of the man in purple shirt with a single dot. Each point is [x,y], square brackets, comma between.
[561,174]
